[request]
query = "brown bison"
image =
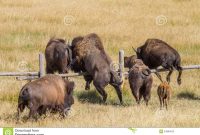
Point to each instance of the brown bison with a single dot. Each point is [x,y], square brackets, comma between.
[82,49]
[58,56]
[49,92]
[164,93]
[140,81]
[91,57]
[155,53]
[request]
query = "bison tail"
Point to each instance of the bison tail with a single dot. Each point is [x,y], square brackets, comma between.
[115,79]
[56,55]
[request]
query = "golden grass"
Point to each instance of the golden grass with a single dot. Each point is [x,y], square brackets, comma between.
[27,25]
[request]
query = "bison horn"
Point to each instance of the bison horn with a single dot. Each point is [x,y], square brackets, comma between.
[134,49]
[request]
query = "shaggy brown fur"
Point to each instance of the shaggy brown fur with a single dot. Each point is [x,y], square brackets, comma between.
[129,61]
[155,53]
[50,91]
[140,81]
[164,93]
[58,56]
[91,57]
[81,46]
[53,39]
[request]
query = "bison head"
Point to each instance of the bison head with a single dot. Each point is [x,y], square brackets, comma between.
[69,100]
[129,61]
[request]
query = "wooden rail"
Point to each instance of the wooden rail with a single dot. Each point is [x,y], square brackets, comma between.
[19,73]
[41,72]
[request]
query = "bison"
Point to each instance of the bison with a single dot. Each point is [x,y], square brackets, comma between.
[58,56]
[155,53]
[50,91]
[140,80]
[91,56]
[79,47]
[164,93]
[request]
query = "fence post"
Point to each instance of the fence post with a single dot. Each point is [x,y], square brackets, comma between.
[121,64]
[41,65]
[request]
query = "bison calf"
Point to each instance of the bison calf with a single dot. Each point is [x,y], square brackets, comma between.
[164,94]
[140,81]
[51,91]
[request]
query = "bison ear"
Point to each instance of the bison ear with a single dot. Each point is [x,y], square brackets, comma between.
[70,87]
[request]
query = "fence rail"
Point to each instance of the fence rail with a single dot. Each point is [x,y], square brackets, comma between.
[41,72]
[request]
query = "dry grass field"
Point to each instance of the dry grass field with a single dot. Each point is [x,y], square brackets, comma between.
[27,25]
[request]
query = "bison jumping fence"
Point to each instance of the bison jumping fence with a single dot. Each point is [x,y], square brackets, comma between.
[41,72]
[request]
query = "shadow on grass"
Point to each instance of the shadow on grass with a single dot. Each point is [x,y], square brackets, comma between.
[90,96]
[188,95]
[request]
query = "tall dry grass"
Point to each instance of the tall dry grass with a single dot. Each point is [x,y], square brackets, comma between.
[27,25]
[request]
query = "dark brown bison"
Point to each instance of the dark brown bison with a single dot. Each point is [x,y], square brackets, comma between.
[83,47]
[78,66]
[155,53]
[140,81]
[58,56]
[91,56]
[49,92]
[164,93]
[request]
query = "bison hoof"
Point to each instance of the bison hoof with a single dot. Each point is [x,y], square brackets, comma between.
[87,87]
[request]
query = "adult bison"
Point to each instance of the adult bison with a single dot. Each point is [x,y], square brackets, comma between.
[58,56]
[91,56]
[155,53]
[49,92]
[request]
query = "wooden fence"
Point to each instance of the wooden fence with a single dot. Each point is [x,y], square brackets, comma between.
[41,72]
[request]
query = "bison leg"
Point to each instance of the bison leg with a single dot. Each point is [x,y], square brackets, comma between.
[159,76]
[20,109]
[87,85]
[179,75]
[166,104]
[140,95]
[135,91]
[119,92]
[42,110]
[169,74]
[160,98]
[147,90]
[101,91]
[33,110]
[88,80]
[49,70]
[163,102]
